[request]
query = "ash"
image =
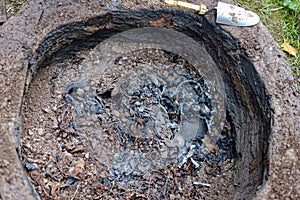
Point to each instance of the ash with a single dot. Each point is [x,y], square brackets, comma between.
[156,110]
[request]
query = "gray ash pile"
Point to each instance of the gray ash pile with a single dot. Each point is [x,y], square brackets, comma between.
[156,110]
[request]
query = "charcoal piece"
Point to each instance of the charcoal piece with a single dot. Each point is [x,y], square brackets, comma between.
[106,93]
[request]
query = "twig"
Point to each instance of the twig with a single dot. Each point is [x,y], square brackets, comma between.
[76,191]
[166,185]
[202,184]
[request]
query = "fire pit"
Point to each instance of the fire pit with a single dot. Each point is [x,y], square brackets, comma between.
[129,107]
[144,104]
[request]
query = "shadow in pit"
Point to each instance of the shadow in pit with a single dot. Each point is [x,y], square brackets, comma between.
[248,106]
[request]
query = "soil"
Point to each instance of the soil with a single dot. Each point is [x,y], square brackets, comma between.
[86,132]
[17,38]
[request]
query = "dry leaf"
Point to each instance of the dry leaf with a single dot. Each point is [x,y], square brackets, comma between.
[211,148]
[78,167]
[288,48]
[54,188]
[77,149]
[157,22]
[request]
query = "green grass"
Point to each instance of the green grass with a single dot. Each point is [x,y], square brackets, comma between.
[17,4]
[13,6]
[282,18]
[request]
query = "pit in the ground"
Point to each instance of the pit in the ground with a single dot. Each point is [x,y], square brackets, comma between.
[136,119]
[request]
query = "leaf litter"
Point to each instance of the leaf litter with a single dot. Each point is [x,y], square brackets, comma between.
[140,131]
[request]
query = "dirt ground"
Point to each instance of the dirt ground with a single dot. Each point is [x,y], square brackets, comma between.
[71,147]
[69,170]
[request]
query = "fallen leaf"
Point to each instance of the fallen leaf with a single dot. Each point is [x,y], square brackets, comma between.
[78,167]
[71,148]
[211,148]
[157,22]
[289,49]
[77,149]
[54,189]
[166,19]
[35,48]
